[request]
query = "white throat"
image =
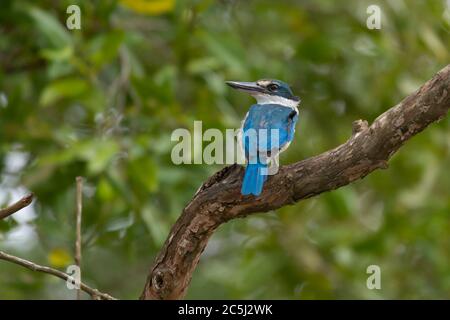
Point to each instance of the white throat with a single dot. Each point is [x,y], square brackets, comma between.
[270,99]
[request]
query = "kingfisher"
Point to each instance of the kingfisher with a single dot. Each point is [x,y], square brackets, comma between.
[267,129]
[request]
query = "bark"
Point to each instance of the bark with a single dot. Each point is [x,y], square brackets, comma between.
[22,203]
[219,200]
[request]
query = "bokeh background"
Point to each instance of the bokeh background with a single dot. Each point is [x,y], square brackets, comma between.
[102,102]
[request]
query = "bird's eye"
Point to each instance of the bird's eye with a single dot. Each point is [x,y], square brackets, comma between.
[272,87]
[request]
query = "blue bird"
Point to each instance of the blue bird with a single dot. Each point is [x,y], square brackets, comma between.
[267,129]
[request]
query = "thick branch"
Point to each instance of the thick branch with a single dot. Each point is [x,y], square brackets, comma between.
[219,198]
[35,267]
[22,203]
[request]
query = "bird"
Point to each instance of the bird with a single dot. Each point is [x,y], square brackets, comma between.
[267,129]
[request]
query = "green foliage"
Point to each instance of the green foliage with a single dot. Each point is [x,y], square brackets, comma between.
[101,102]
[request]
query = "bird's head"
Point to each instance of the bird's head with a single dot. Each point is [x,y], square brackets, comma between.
[268,91]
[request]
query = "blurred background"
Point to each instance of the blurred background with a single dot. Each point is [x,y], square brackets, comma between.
[102,102]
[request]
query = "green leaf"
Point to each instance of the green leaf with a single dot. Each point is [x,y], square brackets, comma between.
[226,50]
[119,223]
[144,171]
[104,48]
[63,88]
[98,154]
[58,54]
[155,224]
[105,191]
[51,28]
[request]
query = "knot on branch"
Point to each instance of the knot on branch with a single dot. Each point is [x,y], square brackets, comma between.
[358,126]
[161,284]
[382,164]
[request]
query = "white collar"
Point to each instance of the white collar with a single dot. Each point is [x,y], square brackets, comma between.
[270,99]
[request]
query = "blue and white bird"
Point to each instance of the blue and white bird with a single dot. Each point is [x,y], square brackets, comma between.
[272,119]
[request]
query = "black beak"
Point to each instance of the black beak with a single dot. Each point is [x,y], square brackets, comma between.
[245,86]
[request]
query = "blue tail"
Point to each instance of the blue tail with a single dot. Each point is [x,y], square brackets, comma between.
[254,179]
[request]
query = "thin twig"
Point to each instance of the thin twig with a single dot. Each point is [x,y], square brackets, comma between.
[22,203]
[78,228]
[35,267]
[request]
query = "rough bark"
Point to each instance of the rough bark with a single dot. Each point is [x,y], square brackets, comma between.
[219,199]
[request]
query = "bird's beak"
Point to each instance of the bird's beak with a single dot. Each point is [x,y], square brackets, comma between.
[249,87]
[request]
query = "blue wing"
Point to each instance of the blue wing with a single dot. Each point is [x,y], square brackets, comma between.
[269,117]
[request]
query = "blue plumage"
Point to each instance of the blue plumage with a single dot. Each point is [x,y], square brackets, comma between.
[267,130]
[274,127]
[254,179]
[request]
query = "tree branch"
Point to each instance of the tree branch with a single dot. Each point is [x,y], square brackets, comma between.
[35,267]
[22,203]
[219,199]
[79,205]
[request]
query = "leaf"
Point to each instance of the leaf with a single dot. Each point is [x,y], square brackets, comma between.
[155,223]
[58,54]
[149,180]
[120,223]
[227,50]
[98,154]
[104,48]
[51,28]
[105,191]
[150,7]
[6,225]
[63,88]
[434,43]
